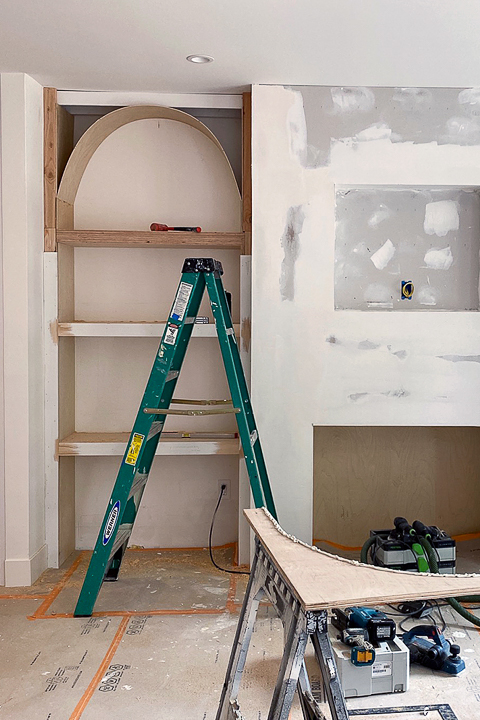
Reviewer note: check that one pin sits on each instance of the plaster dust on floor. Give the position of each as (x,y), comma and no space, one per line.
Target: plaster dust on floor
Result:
(159,641)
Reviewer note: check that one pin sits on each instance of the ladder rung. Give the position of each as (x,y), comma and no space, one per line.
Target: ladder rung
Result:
(138,483)
(202,402)
(192,413)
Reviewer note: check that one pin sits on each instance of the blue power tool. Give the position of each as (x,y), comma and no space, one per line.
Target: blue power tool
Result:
(429,647)
(378,625)
(363,628)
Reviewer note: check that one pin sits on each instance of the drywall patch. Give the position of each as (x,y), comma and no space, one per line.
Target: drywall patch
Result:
(350,100)
(368,345)
(379,216)
(439,258)
(382,257)
(333,340)
(412,99)
(355,397)
(401,393)
(426,295)
(469,101)
(377,131)
(290,244)
(460,358)
(462,131)
(441,217)
(378,294)
(246,334)
(297,129)
(394,394)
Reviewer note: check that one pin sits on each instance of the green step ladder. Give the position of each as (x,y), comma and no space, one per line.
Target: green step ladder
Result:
(117,526)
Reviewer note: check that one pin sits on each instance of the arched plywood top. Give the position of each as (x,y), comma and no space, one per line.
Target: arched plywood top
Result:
(98,132)
(321,580)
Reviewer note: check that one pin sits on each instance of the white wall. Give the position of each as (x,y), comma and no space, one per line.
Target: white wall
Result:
(311,365)
(22,229)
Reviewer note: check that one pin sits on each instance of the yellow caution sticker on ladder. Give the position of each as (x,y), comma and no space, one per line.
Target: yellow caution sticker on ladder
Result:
(134,449)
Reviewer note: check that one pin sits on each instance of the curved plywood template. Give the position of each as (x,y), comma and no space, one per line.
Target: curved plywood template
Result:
(321,580)
(113,128)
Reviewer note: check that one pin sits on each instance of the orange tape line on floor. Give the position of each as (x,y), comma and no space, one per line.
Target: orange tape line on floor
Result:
(87,695)
(232,591)
(40,611)
(466,536)
(337,545)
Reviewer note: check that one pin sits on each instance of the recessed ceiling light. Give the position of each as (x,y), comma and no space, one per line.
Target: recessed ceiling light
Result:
(200,59)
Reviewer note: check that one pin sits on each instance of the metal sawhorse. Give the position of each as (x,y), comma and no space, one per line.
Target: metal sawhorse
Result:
(301,583)
(299,625)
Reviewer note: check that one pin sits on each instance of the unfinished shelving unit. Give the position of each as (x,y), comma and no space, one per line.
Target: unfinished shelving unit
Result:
(98,358)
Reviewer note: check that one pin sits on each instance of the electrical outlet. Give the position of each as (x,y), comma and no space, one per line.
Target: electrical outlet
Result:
(226,492)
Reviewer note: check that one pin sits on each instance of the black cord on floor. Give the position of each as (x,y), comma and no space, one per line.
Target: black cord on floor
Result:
(232,572)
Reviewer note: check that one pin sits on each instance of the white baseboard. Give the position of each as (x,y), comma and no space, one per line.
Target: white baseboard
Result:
(22,572)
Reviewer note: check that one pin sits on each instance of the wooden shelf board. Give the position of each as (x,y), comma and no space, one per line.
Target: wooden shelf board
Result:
(130,329)
(80,444)
(141,238)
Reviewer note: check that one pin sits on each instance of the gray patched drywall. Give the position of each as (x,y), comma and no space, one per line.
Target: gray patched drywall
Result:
(419,115)
(290,242)
(386,235)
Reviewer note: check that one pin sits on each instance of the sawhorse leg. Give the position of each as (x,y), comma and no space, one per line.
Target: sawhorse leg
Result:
(328,667)
(298,625)
(248,615)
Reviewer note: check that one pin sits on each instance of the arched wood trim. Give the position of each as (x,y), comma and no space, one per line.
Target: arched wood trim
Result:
(97,133)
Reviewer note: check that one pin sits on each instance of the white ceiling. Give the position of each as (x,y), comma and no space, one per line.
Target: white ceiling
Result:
(141,45)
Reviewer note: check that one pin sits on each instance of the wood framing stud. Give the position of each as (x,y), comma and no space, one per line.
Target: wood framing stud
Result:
(50,166)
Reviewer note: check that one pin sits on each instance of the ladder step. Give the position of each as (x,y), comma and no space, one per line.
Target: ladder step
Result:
(201,402)
(123,533)
(138,483)
(212,411)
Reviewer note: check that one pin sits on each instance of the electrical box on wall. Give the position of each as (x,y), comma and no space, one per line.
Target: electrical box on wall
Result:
(407,248)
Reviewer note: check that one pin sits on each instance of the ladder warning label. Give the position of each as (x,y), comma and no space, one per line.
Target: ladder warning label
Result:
(134,449)
(180,304)
(171,334)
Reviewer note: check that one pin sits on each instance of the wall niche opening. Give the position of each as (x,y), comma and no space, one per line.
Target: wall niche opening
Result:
(387,237)
(364,476)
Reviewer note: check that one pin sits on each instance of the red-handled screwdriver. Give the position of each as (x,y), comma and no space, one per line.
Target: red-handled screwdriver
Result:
(162,227)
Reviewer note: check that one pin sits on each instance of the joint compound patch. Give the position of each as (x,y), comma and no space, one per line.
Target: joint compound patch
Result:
(111,522)
(180,304)
(134,449)
(171,333)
